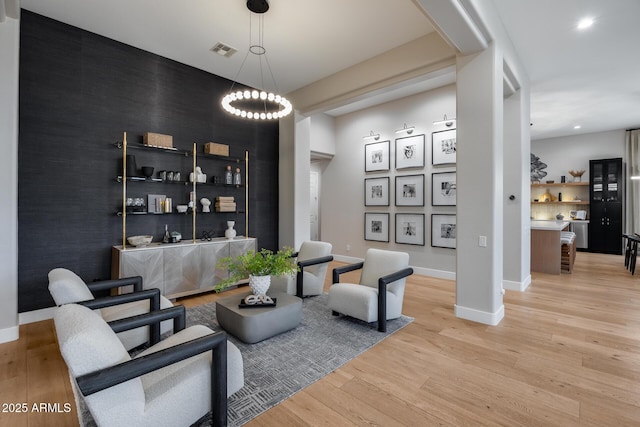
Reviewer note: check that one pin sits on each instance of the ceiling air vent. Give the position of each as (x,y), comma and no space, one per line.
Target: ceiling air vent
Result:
(223,49)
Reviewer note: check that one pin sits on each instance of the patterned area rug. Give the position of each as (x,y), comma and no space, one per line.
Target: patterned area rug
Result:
(279,367)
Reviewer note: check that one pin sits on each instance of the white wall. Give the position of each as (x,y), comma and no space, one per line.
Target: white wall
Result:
(9,48)
(342,196)
(574,152)
(323,135)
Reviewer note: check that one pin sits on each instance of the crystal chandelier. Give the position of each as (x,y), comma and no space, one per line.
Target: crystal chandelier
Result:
(254,104)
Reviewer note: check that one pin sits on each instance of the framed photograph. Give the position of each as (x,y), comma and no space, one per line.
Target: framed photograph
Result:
(443,231)
(410,190)
(376,156)
(376,227)
(443,147)
(376,191)
(443,189)
(410,152)
(410,228)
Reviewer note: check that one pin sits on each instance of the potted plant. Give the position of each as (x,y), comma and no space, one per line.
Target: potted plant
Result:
(259,267)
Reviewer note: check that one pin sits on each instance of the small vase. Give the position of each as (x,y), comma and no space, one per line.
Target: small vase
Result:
(259,284)
(230,233)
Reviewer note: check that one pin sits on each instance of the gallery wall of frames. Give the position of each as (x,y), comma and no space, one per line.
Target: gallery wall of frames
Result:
(395,174)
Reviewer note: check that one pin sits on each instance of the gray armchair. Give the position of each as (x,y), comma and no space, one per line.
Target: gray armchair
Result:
(313,261)
(173,383)
(67,287)
(380,293)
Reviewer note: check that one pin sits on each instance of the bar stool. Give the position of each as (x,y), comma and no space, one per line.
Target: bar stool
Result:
(567,251)
(631,252)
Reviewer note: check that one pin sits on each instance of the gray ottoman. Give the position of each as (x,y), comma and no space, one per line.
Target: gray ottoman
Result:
(258,323)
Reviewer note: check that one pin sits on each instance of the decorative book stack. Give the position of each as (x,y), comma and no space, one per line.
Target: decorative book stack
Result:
(225,204)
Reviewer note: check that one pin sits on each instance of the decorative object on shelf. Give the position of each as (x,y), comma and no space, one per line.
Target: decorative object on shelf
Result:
(206,203)
(132,169)
(155,203)
(410,190)
(230,232)
(410,229)
(443,147)
(162,175)
(177,176)
(445,121)
(157,140)
(410,152)
(182,208)
(376,156)
(547,197)
(228,176)
(139,241)
(376,191)
(550,181)
(256,264)
(175,237)
(216,149)
(266,106)
(237,177)
(376,226)
(443,231)
(577,175)
(563,179)
(537,169)
(147,171)
(167,205)
(225,204)
(443,189)
(199,176)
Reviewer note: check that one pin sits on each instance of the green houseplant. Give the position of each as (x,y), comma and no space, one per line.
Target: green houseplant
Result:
(263,264)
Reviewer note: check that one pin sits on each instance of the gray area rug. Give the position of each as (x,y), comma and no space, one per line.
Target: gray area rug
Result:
(279,367)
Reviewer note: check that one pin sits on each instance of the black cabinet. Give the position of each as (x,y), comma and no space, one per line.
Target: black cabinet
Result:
(606,195)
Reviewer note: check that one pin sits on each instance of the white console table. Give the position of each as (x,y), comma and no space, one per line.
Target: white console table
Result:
(178,269)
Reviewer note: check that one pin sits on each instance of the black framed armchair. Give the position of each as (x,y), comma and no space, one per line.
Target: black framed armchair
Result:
(67,287)
(175,382)
(379,294)
(313,261)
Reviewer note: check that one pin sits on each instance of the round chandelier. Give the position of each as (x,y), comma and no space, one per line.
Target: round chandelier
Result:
(251,103)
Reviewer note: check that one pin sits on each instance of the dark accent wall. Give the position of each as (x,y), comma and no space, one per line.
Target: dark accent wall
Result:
(78,93)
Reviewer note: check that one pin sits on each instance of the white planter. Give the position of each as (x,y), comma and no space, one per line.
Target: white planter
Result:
(259,284)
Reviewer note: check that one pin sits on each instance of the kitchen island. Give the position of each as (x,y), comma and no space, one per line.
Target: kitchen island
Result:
(545,246)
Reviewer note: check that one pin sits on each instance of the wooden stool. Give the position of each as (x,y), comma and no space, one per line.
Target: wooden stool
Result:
(567,251)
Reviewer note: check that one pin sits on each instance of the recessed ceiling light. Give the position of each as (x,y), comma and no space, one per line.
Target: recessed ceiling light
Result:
(585,23)
(577,127)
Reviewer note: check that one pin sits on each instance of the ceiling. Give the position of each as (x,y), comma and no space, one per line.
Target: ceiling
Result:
(590,78)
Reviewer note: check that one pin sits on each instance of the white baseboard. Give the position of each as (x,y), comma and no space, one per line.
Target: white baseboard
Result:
(517,286)
(9,334)
(487,318)
(36,315)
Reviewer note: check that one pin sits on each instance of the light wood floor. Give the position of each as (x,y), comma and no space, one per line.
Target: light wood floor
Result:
(567,353)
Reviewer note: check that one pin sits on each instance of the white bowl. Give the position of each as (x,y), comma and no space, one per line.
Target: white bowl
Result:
(139,241)
(182,208)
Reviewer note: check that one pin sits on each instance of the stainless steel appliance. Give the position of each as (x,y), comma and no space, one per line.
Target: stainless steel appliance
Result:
(581,228)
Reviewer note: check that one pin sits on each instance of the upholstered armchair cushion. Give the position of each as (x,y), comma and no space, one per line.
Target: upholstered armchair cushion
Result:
(175,395)
(312,276)
(362,301)
(67,287)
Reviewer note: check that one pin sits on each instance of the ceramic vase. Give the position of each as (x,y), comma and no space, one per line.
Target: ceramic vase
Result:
(259,284)
(230,233)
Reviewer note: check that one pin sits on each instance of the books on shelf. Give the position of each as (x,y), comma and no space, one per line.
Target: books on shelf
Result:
(225,204)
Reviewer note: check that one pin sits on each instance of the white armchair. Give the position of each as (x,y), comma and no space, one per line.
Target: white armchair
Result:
(313,260)
(67,287)
(380,293)
(173,383)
